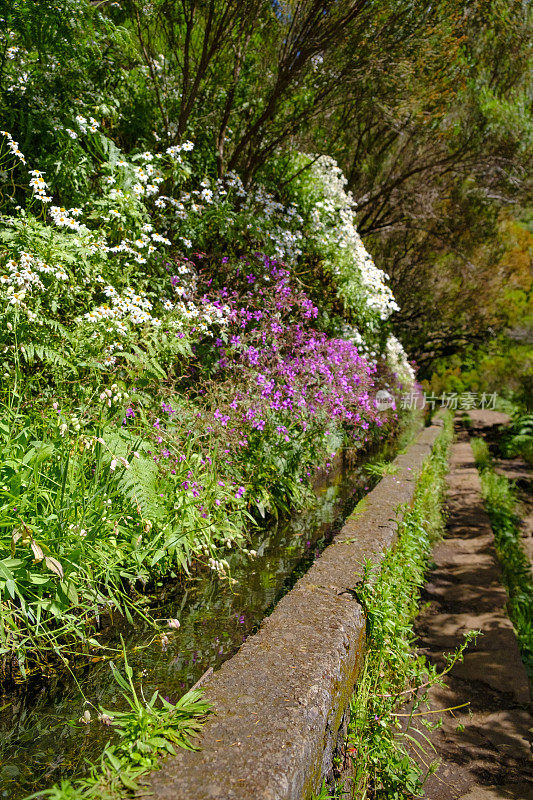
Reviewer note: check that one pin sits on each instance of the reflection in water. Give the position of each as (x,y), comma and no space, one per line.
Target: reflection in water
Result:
(41,739)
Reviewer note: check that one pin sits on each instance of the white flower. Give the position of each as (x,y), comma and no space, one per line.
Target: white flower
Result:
(17,298)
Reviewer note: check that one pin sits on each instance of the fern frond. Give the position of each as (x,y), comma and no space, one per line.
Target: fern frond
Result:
(138,484)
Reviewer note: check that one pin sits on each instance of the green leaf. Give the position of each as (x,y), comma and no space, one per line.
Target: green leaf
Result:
(113,760)
(11,588)
(118,677)
(158,555)
(38,580)
(129,783)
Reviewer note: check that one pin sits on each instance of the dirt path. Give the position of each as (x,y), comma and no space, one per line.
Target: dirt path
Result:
(490,759)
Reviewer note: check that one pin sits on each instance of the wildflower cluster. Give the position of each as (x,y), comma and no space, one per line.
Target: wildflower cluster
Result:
(332,213)
(293,375)
(278,391)
(13,146)
(131,199)
(398,363)
(64,218)
(24,275)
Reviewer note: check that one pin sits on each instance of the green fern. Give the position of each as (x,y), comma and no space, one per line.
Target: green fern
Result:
(138,484)
(47,355)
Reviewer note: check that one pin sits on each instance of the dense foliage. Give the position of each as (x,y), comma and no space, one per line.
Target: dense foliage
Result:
(191,322)
(181,348)
(192,325)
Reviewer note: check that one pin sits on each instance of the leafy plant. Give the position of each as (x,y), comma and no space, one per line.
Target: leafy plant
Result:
(148,731)
(380,468)
(518,438)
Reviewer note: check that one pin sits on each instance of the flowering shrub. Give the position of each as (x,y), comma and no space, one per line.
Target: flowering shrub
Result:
(398,363)
(101,263)
(183,394)
(278,393)
(330,211)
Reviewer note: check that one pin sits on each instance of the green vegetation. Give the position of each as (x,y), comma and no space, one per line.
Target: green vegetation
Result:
(502,364)
(182,349)
(517,439)
(149,730)
(501,504)
(381,468)
(191,324)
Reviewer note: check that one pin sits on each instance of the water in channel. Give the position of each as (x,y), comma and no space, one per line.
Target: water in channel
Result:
(41,738)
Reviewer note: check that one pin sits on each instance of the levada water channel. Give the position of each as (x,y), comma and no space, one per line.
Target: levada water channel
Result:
(41,738)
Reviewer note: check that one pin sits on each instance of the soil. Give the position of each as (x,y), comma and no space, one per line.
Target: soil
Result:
(485,748)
